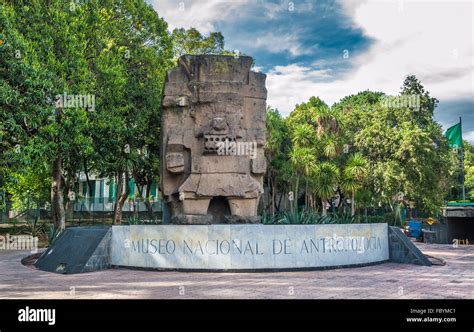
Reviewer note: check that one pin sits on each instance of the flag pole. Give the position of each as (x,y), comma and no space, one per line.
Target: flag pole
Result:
(462,164)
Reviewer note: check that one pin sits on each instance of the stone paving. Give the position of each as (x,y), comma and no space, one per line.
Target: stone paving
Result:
(384,281)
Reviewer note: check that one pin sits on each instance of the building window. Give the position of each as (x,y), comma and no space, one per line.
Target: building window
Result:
(112,190)
(131,183)
(101,191)
(153,191)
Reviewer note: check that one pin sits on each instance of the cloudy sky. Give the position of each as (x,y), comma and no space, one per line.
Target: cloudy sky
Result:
(333,48)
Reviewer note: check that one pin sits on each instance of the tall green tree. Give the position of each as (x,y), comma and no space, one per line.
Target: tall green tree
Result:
(114,50)
(276,150)
(316,129)
(134,52)
(424,104)
(469,169)
(46,47)
(406,152)
(455,175)
(354,176)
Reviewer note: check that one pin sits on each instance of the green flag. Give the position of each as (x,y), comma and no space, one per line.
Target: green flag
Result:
(454,136)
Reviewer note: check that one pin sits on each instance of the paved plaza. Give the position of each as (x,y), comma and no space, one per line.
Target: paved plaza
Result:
(454,280)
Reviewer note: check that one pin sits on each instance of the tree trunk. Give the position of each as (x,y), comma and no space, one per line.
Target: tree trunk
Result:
(272,207)
(353,204)
(138,197)
(295,196)
(118,192)
(89,184)
(121,196)
(57,196)
(306,199)
(341,198)
(278,207)
(391,206)
(323,204)
(148,204)
(69,206)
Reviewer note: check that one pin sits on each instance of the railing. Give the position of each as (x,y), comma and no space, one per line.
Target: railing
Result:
(107,204)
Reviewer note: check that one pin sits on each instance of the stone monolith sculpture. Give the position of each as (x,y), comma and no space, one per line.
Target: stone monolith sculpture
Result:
(212,140)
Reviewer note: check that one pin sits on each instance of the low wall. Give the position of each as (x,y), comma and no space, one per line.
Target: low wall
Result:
(248,247)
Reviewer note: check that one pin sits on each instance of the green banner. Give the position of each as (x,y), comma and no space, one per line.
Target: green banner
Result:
(454,136)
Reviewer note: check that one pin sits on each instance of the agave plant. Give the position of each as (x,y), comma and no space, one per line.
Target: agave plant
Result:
(133,220)
(307,217)
(53,234)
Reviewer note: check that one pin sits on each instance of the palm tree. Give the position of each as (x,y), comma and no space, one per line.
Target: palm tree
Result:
(329,120)
(330,145)
(302,135)
(324,179)
(316,137)
(302,160)
(354,175)
(273,146)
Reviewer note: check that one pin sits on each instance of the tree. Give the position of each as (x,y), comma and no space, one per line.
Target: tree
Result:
(307,113)
(115,51)
(354,176)
(424,104)
(40,62)
(131,69)
(318,129)
(455,179)
(469,169)
(28,186)
(353,110)
(191,41)
(276,146)
(303,160)
(403,145)
(324,179)
(406,153)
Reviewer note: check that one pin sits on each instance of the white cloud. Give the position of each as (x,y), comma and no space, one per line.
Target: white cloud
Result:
(469,136)
(272,9)
(295,71)
(432,40)
(277,43)
(201,15)
(204,14)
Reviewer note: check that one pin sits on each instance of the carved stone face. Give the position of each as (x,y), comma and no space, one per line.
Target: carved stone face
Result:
(218,133)
(219,124)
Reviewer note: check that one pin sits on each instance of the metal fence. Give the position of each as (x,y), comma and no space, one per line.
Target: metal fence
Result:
(96,209)
(106,204)
(92,210)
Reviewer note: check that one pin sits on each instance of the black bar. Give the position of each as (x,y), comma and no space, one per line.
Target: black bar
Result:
(354,315)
